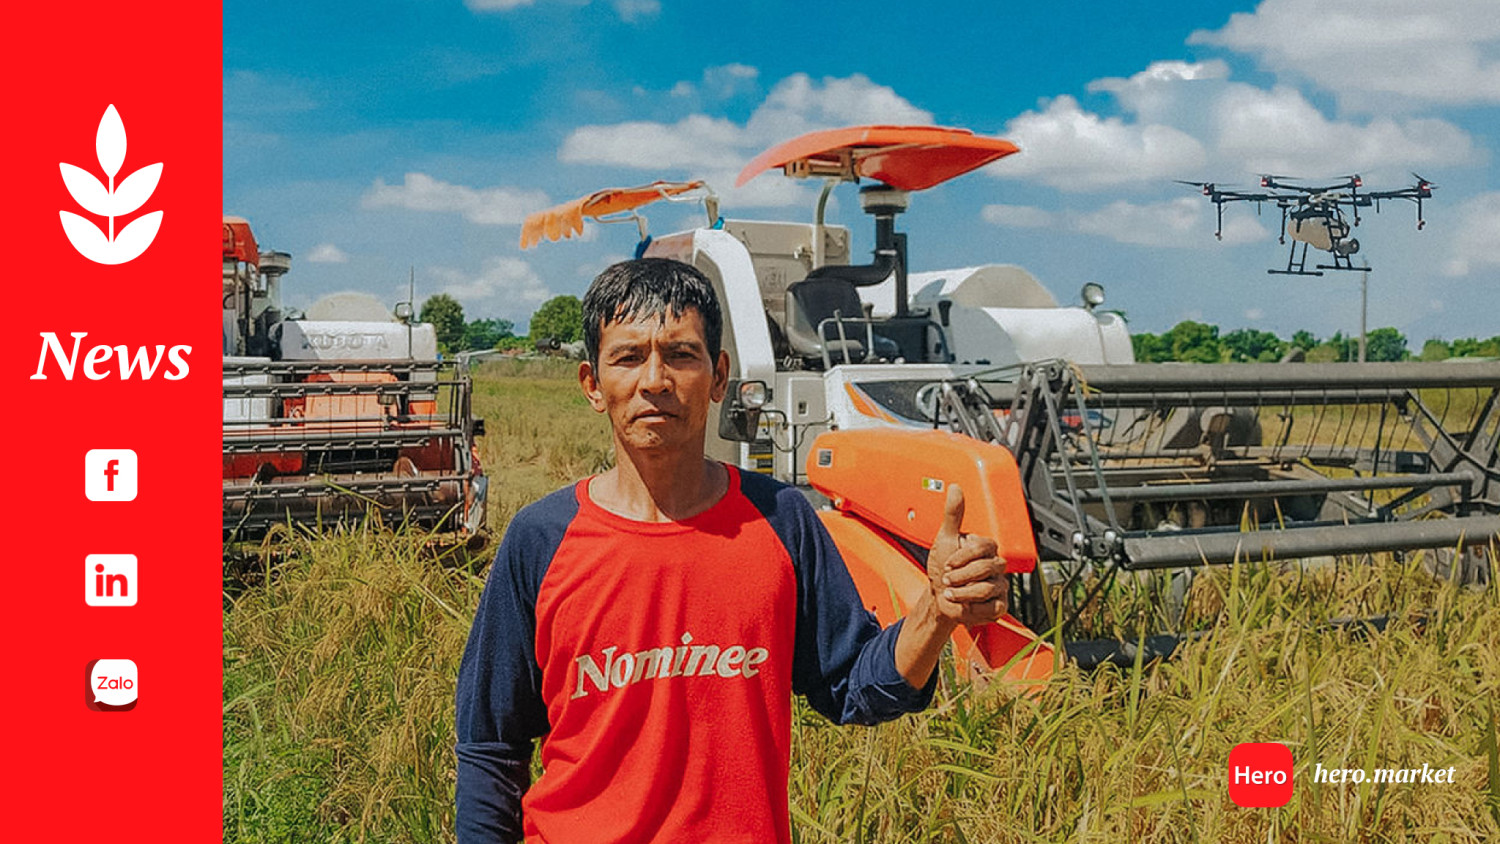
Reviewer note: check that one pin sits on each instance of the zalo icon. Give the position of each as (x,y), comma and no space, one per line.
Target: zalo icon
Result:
(113,685)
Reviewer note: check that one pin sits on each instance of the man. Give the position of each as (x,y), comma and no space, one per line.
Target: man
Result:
(652,622)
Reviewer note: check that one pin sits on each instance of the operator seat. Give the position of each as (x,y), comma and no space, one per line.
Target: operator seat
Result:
(808,304)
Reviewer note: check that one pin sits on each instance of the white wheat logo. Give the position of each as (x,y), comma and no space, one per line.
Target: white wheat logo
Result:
(110,201)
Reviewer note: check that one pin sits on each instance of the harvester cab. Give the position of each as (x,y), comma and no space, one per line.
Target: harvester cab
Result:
(339,413)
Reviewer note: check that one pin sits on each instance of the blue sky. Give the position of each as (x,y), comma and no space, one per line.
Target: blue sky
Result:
(371,138)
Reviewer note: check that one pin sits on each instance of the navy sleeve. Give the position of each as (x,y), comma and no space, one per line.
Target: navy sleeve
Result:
(500,710)
(844,664)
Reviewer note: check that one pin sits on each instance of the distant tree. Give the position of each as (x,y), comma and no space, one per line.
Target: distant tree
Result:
(447,318)
(1194,342)
(1336,349)
(1383,344)
(1250,345)
(486,333)
(1435,349)
(1305,340)
(560,317)
(1474,347)
(1324,353)
(1150,348)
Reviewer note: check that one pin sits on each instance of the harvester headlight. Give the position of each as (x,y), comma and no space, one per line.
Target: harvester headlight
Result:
(1093,295)
(739,418)
(754,395)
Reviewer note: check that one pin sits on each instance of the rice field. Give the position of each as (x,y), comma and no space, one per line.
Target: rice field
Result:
(341,652)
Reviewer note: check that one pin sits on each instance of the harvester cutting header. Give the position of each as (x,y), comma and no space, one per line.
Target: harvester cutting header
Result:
(877,387)
(330,419)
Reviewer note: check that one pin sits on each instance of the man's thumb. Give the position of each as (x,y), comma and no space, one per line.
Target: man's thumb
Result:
(953,513)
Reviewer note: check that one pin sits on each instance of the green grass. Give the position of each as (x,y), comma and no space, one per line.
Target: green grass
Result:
(341,653)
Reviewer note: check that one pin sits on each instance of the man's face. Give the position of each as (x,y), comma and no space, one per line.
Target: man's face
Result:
(656,381)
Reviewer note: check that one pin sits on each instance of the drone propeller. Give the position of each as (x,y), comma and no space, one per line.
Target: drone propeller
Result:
(1423,183)
(1208,188)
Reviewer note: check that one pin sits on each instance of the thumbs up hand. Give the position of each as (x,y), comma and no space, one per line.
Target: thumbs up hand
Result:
(968,579)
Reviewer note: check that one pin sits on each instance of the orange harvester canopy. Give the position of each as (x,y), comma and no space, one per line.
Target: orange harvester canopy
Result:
(566,220)
(904,157)
(239,242)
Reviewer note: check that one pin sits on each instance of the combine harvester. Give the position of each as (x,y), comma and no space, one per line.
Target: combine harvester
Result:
(1082,463)
(327,420)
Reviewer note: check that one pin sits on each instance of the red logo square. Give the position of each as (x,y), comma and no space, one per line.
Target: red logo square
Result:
(1260,774)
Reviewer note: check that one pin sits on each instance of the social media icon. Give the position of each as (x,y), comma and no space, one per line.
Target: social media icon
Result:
(110,580)
(1260,774)
(113,685)
(109,474)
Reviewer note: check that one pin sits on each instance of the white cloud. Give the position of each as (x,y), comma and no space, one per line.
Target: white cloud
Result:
(715,148)
(1254,314)
(593,268)
(249,93)
(727,80)
(1184,223)
(327,253)
(1069,148)
(1476,236)
(720,82)
(631,11)
(798,104)
(1442,51)
(498,206)
(1188,120)
(1017,216)
(503,284)
(694,142)
(1176,222)
(1154,94)
(1279,131)
(496,5)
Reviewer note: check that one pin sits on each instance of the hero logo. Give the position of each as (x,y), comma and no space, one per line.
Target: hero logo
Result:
(1260,774)
(685,660)
(110,201)
(96,361)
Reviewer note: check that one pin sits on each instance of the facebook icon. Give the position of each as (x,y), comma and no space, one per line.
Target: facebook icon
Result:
(109,474)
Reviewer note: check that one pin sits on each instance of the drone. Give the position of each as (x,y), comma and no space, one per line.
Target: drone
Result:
(1313,215)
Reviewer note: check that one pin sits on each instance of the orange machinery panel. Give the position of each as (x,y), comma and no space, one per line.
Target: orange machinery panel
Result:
(890,581)
(366,408)
(897,478)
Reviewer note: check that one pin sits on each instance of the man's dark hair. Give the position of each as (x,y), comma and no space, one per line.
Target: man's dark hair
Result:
(649,287)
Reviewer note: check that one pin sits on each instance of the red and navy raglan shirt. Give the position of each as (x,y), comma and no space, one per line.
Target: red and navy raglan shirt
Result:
(659,661)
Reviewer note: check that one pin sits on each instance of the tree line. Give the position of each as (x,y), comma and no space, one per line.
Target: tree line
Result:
(1198,342)
(560,317)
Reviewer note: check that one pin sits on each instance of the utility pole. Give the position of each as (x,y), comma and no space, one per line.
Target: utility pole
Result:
(1364,299)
